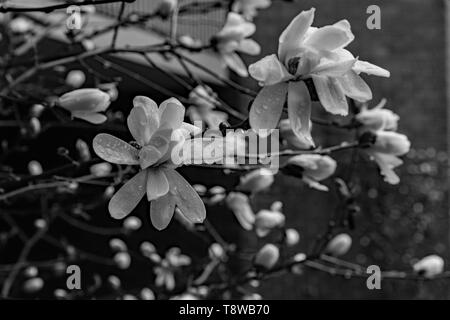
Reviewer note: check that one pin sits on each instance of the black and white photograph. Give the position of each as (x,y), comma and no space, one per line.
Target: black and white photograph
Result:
(248,151)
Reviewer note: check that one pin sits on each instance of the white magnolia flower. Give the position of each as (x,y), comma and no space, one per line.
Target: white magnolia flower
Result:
(377,118)
(86,104)
(248,8)
(429,266)
(158,131)
(267,256)
(339,245)
(306,52)
(240,205)
(165,271)
(315,168)
(385,151)
(234,37)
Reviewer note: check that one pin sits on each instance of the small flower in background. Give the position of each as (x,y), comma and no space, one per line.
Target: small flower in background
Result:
(339,245)
(83,150)
(118,245)
(385,151)
(267,256)
(31,272)
(292,237)
(33,285)
(114,282)
(430,266)
(239,204)
(216,252)
(147,294)
(75,78)
(165,270)
(248,8)
(36,110)
(234,37)
(157,131)
(132,223)
(315,168)
(256,181)
(86,104)
(306,52)
(204,101)
(122,260)
(100,170)
(266,220)
(35,168)
(377,118)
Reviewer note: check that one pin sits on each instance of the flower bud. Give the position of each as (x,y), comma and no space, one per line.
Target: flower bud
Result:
(83,150)
(36,110)
(122,260)
(216,251)
(88,45)
(377,119)
(315,166)
(132,223)
(291,138)
(35,126)
(40,223)
(391,143)
(292,237)
(60,293)
(429,266)
(147,294)
(147,248)
(266,220)
(203,97)
(109,192)
(129,297)
(114,282)
(267,256)
(33,285)
(85,100)
(239,204)
(35,168)
(75,78)
(31,272)
(117,245)
(256,181)
(252,296)
(339,245)
(20,25)
(101,169)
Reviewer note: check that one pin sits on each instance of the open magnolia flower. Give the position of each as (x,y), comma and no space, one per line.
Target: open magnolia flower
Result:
(86,104)
(232,38)
(315,168)
(385,151)
(306,52)
(157,131)
(248,8)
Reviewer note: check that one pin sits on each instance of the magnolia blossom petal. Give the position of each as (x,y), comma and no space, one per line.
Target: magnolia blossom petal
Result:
(369,68)
(299,111)
(149,155)
(171,113)
(269,70)
(267,107)
(115,150)
(330,38)
(314,184)
(143,119)
(334,69)
(95,118)
(355,87)
(162,210)
(293,35)
(331,95)
(249,46)
(186,198)
(235,63)
(387,163)
(157,184)
(128,197)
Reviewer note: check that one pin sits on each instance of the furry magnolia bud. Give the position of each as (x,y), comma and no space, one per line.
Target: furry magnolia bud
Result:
(429,266)
(267,256)
(339,245)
